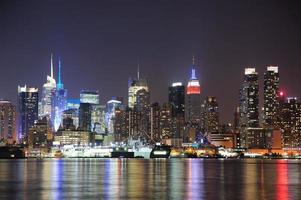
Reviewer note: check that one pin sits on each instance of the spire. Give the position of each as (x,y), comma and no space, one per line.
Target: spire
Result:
(193,60)
(193,68)
(51,66)
(60,84)
(138,68)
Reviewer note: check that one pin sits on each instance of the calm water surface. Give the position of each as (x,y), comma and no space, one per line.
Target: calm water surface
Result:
(150,179)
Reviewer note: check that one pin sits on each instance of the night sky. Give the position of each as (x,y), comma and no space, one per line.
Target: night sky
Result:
(99,42)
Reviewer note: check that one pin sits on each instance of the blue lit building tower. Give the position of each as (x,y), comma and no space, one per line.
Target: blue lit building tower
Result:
(59,103)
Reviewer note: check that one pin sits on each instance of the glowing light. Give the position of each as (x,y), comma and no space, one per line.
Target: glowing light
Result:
(160,152)
(273,69)
(176,84)
(281,93)
(250,71)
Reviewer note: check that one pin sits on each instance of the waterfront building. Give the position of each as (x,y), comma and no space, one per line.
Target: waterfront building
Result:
(28,99)
(271,91)
(40,134)
(290,116)
(249,100)
(193,98)
(176,98)
(8,133)
(75,137)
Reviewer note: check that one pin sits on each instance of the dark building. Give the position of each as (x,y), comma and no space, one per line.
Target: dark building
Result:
(155,122)
(85,116)
(176,98)
(28,103)
(8,133)
(290,125)
(271,91)
(166,126)
(249,99)
(211,115)
(40,135)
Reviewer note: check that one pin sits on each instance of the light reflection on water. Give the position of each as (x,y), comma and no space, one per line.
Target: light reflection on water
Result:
(150,179)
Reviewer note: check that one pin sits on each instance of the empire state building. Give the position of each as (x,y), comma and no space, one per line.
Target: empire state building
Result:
(193,98)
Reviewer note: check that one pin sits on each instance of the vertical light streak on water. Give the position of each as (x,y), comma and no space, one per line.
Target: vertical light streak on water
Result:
(262,182)
(160,178)
(282,180)
(176,177)
(56,179)
(250,180)
(107,179)
(222,178)
(195,179)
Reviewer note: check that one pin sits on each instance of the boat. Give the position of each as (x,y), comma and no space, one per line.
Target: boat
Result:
(122,152)
(160,151)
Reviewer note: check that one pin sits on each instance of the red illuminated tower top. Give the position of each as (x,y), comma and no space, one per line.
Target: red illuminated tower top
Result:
(193,86)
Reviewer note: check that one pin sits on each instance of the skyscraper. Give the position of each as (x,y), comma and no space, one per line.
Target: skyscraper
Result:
(211,115)
(7,122)
(290,116)
(85,116)
(249,100)
(112,105)
(135,85)
(176,98)
(271,91)
(48,93)
(28,99)
(59,103)
(193,98)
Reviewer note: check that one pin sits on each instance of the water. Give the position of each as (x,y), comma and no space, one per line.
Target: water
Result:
(150,179)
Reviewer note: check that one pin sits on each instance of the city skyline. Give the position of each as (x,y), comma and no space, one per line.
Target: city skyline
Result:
(106,50)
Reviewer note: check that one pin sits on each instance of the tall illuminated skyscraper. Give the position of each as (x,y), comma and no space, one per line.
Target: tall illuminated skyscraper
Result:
(48,92)
(271,91)
(28,99)
(112,105)
(193,98)
(249,99)
(8,122)
(59,103)
(248,109)
(136,85)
